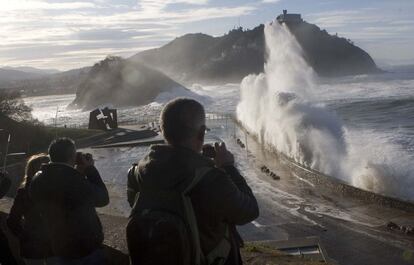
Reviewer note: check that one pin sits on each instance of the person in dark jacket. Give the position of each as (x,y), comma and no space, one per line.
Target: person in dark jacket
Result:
(221,200)
(66,192)
(25,221)
(6,255)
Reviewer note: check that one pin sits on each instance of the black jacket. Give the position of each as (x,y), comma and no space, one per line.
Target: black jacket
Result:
(6,255)
(27,224)
(220,199)
(67,200)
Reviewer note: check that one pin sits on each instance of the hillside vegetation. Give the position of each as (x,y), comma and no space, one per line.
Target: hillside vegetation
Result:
(190,58)
(330,55)
(229,58)
(203,58)
(27,134)
(121,82)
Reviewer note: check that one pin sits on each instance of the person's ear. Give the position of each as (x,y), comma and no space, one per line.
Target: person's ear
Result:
(202,133)
(72,160)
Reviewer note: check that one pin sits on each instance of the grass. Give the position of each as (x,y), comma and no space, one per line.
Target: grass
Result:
(73,133)
(33,138)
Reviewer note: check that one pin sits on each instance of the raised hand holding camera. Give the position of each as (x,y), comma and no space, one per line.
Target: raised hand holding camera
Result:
(223,156)
(83,161)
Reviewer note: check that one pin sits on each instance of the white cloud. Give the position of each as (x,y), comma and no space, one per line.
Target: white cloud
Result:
(18,5)
(270,1)
(34,29)
(372,29)
(367,23)
(333,19)
(56,33)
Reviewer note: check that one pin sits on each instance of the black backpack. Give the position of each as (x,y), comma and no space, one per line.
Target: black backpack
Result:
(162,229)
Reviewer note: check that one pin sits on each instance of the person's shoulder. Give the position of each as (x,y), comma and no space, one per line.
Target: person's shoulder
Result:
(21,192)
(56,172)
(22,195)
(211,174)
(39,175)
(61,168)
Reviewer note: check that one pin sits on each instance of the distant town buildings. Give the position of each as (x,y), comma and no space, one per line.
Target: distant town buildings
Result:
(289,18)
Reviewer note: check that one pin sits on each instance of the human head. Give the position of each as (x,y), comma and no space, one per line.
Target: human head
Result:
(33,165)
(63,150)
(182,123)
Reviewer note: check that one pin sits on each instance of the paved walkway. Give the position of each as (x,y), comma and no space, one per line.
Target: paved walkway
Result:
(351,224)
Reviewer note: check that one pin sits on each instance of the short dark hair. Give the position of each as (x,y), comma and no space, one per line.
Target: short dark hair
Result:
(61,149)
(181,119)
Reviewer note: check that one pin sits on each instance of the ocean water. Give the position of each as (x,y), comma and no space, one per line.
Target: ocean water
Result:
(359,129)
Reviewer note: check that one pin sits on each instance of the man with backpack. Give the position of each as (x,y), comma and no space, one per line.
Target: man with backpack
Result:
(185,204)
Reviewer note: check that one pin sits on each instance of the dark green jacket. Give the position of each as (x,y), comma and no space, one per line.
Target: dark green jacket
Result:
(220,199)
(66,200)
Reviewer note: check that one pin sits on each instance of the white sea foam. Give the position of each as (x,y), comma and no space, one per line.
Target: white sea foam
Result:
(277,106)
(291,109)
(164,97)
(281,106)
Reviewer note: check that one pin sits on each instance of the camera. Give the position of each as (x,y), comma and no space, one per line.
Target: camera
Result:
(80,156)
(209,151)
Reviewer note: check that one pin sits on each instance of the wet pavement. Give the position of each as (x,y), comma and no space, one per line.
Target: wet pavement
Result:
(294,202)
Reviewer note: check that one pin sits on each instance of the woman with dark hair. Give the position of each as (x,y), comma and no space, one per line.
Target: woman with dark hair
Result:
(26,222)
(6,255)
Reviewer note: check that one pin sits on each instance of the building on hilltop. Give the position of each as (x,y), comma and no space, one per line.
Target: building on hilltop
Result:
(289,18)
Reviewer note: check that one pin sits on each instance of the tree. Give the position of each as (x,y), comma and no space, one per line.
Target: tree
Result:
(12,106)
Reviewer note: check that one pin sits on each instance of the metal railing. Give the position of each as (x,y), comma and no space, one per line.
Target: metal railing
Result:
(150,119)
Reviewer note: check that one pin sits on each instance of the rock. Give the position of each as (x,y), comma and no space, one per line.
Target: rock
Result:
(408,230)
(274,176)
(240,143)
(119,82)
(392,225)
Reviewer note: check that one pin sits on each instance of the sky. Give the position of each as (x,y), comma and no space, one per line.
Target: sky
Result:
(63,34)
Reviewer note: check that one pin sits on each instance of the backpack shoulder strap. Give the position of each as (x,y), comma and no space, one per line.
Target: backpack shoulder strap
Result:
(220,253)
(199,175)
(133,185)
(198,255)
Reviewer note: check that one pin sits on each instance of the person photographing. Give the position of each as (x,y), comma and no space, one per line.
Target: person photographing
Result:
(190,202)
(66,192)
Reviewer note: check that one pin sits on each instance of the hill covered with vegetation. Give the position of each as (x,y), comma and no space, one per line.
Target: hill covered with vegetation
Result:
(330,55)
(229,58)
(9,77)
(121,82)
(191,58)
(203,58)
(51,84)
(27,134)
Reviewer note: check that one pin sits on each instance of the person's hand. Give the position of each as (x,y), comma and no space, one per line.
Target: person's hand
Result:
(223,156)
(209,151)
(86,161)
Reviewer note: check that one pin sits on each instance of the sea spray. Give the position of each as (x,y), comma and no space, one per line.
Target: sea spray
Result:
(373,163)
(279,107)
